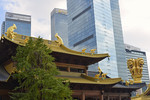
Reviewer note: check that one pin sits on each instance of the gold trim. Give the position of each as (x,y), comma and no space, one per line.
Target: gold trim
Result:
(55,47)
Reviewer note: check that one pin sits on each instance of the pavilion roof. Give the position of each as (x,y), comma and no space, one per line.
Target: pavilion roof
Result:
(84,79)
(60,52)
(143,96)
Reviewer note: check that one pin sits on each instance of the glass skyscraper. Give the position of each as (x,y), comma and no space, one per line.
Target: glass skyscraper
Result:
(134,52)
(23,23)
(59,25)
(90,25)
(119,42)
(3,28)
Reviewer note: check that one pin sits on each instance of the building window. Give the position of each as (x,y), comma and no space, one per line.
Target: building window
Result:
(62,68)
(77,70)
(81,13)
(84,40)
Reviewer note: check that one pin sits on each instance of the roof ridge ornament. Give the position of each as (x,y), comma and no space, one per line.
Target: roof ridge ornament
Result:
(100,75)
(136,67)
(83,50)
(92,51)
(10,32)
(59,39)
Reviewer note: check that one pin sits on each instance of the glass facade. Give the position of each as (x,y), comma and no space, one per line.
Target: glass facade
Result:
(138,54)
(23,23)
(90,26)
(3,28)
(119,42)
(59,25)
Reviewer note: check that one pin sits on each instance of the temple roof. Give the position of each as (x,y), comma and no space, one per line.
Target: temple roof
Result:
(134,86)
(60,52)
(143,96)
(84,79)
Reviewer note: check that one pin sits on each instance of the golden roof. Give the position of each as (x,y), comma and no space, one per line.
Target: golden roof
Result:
(59,50)
(53,45)
(143,96)
(84,79)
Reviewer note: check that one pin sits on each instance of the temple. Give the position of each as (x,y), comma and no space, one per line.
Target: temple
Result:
(73,66)
(143,96)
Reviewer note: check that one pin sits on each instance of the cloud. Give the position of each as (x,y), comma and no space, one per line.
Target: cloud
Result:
(135,23)
(39,11)
(135,17)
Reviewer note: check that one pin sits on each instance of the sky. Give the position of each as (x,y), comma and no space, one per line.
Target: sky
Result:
(135,18)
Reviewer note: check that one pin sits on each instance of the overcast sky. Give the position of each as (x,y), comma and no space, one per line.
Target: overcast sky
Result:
(135,18)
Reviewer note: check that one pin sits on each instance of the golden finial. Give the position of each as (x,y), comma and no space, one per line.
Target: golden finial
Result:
(26,40)
(104,75)
(93,51)
(59,39)
(131,82)
(98,75)
(136,67)
(10,31)
(83,50)
(127,83)
(2,36)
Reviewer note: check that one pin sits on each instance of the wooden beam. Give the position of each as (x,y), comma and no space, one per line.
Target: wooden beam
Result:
(70,65)
(86,92)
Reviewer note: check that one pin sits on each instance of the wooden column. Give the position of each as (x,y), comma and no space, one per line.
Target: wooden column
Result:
(83,96)
(108,97)
(86,70)
(119,97)
(102,95)
(68,69)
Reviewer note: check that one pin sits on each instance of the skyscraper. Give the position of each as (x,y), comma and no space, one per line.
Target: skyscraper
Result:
(119,42)
(3,28)
(134,52)
(90,26)
(59,25)
(23,23)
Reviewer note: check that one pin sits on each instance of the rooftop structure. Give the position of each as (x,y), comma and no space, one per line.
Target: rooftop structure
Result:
(73,65)
(59,24)
(22,21)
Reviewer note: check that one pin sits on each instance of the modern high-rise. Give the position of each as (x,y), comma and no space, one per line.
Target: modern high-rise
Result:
(3,28)
(118,36)
(23,23)
(59,25)
(94,24)
(134,52)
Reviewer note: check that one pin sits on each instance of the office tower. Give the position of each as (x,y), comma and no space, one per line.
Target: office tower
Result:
(59,25)
(90,26)
(119,42)
(3,28)
(134,52)
(23,23)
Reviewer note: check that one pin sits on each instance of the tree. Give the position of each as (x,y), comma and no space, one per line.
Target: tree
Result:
(36,73)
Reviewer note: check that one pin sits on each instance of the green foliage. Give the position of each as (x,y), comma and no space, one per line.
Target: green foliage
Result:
(36,73)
